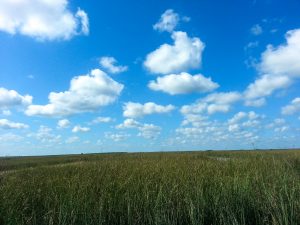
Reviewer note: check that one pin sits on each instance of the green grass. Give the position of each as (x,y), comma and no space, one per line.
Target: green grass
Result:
(234,187)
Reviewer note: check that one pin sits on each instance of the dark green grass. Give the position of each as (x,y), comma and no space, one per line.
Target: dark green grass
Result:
(236,187)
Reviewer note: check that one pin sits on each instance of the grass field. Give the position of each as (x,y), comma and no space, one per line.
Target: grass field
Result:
(215,187)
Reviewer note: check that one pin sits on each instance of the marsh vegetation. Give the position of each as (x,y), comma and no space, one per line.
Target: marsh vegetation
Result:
(222,187)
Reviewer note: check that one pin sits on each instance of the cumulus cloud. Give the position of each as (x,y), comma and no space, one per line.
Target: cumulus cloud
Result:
(195,120)
(279,67)
(109,63)
(244,129)
(87,93)
(284,59)
(11,98)
(168,21)
(79,128)
(128,123)
(183,83)
(237,117)
(218,102)
(292,108)
(184,54)
(266,85)
(7,124)
(213,103)
(64,123)
(45,135)
(135,110)
(256,102)
(233,128)
(42,20)
(222,98)
(101,119)
(195,108)
(252,115)
(190,132)
(148,131)
(243,119)
(117,137)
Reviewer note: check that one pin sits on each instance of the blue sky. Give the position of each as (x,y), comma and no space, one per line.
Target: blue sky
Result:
(104,76)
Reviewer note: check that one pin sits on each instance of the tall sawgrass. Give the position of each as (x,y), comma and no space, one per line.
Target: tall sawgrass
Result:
(156,188)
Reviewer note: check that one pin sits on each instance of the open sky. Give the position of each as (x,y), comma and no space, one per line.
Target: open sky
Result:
(102,76)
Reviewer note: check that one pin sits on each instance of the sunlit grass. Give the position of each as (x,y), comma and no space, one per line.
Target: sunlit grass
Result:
(258,187)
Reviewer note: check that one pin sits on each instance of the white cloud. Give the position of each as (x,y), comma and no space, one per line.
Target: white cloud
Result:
(266,85)
(278,68)
(292,108)
(6,124)
(102,120)
(42,19)
(233,128)
(284,59)
(281,129)
(243,127)
(185,54)
(195,120)
(256,102)
(183,83)
(64,123)
(252,115)
(149,131)
(251,123)
(237,117)
(277,122)
(223,98)
(238,121)
(251,45)
(135,110)
(168,21)
(45,135)
(87,93)
(79,128)
(128,123)
(195,108)
(214,108)
(256,30)
(6,112)
(84,21)
(109,63)
(213,103)
(73,139)
(117,137)
(191,132)
(263,87)
(11,98)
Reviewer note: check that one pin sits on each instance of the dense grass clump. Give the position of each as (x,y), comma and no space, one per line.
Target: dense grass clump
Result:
(243,187)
